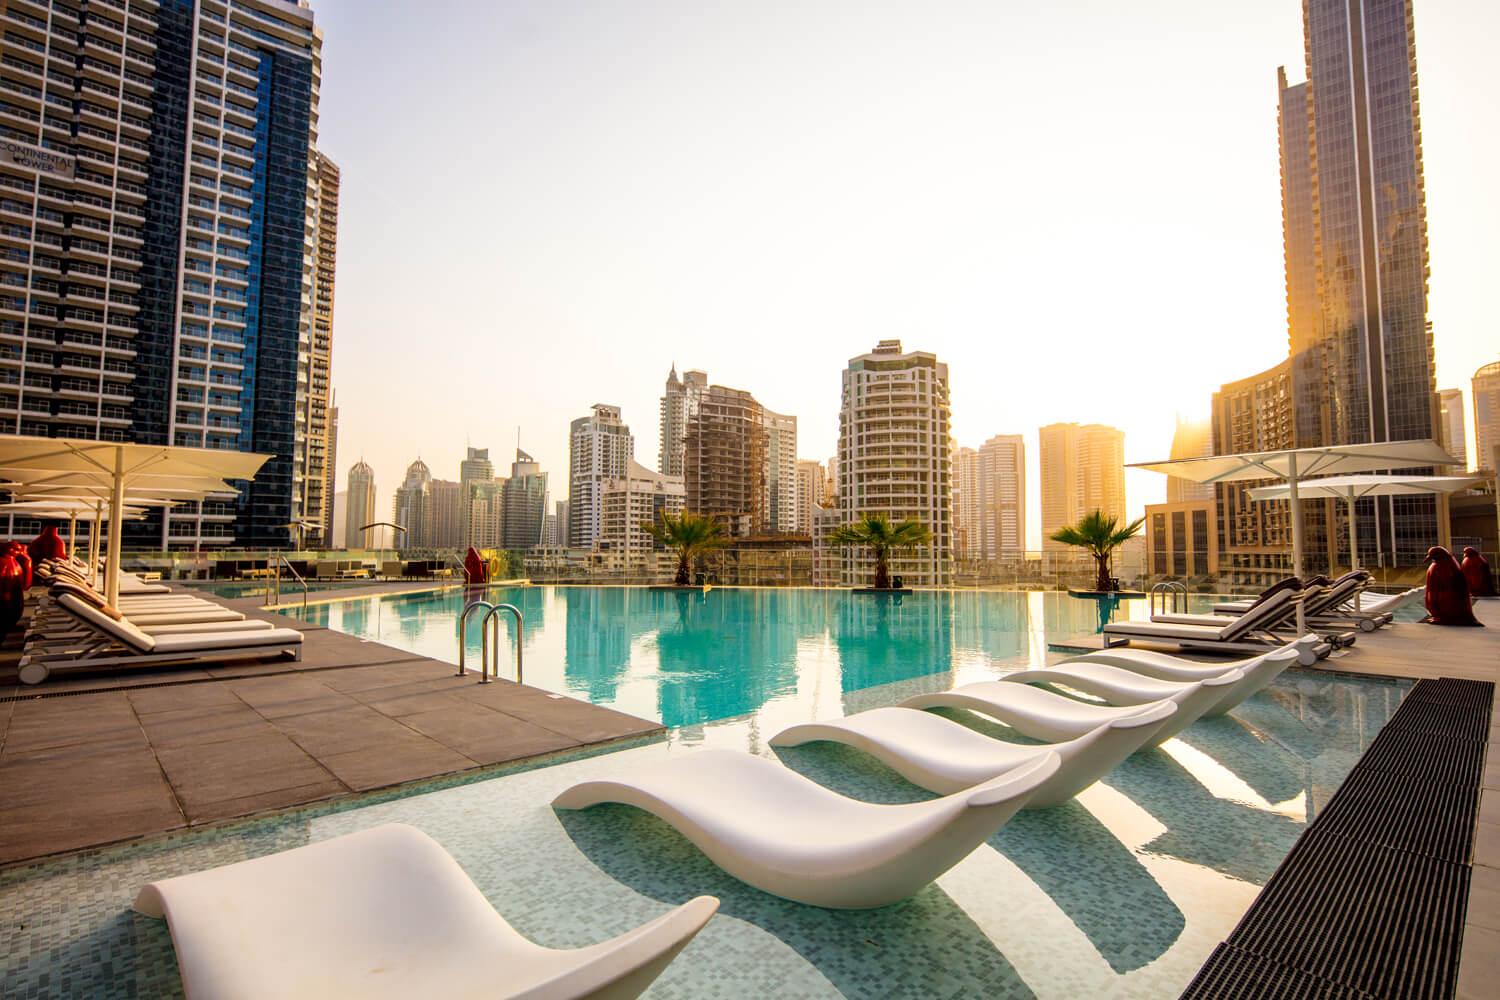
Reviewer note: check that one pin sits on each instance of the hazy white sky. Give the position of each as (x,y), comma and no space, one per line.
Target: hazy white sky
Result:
(1075,204)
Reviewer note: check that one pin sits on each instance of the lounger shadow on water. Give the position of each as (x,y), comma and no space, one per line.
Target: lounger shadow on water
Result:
(924,946)
(1092,877)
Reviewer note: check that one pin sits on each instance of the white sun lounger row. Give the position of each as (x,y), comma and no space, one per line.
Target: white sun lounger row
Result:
(74,630)
(776,830)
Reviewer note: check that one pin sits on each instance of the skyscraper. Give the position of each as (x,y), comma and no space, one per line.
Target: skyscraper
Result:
(600,449)
(156,229)
(725,465)
(315,361)
(331,468)
(639,497)
(781,471)
(811,492)
(476,473)
(411,509)
(895,457)
(679,404)
(989,498)
(1254,537)
(1451,426)
(1190,440)
(525,499)
(360,505)
(1485,390)
(1352,184)
(445,500)
(1083,470)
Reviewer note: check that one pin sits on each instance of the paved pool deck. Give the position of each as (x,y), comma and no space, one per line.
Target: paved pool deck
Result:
(97,760)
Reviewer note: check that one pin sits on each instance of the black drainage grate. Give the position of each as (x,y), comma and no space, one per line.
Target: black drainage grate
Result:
(1231,974)
(1371,900)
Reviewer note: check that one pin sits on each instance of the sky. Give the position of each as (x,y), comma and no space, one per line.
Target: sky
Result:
(1075,204)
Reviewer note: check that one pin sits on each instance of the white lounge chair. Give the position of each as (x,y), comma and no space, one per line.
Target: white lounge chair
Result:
(1047,715)
(944,756)
(111,644)
(385,912)
(776,830)
(1167,667)
(1373,612)
(1119,686)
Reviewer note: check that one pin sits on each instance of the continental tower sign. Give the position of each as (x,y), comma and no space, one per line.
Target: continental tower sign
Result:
(43,161)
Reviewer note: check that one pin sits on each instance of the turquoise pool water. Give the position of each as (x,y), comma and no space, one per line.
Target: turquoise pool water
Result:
(253,588)
(1122,892)
(687,658)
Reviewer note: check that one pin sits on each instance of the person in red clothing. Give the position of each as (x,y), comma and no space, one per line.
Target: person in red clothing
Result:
(1477,574)
(1447,591)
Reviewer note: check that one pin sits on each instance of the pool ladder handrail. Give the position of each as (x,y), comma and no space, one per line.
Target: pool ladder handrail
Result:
(274,598)
(1173,591)
(490,610)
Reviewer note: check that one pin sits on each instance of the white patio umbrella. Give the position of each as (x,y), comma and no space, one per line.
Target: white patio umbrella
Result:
(1352,488)
(74,510)
(151,470)
(1293,465)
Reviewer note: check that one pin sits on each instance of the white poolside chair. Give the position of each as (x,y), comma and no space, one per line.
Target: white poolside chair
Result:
(110,644)
(1121,686)
(1373,612)
(385,912)
(1047,715)
(1168,667)
(944,756)
(772,828)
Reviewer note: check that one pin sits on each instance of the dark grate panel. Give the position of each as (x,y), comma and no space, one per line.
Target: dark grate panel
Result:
(1383,921)
(1372,898)
(1427,755)
(1405,812)
(1442,719)
(1452,691)
(1232,974)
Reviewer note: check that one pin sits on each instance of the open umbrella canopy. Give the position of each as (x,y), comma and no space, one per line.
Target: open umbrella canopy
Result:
(1332,460)
(116,471)
(82,510)
(1356,487)
(1294,465)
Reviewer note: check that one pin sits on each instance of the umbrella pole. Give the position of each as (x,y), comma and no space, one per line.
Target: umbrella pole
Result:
(116,512)
(1353,544)
(72,531)
(1292,498)
(94,539)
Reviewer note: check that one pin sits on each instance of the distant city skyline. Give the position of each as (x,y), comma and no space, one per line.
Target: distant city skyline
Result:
(755,250)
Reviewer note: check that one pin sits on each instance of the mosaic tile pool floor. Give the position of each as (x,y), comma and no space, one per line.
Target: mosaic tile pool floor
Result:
(1120,893)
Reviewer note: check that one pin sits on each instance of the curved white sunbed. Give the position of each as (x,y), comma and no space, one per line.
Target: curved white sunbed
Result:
(769,826)
(945,756)
(1118,686)
(385,913)
(1047,715)
(1171,667)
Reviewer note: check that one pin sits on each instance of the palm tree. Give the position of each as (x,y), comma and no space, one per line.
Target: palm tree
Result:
(689,534)
(876,533)
(1101,536)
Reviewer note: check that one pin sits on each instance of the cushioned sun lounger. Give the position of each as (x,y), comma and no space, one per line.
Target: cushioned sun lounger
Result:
(1036,712)
(1251,633)
(944,756)
(772,828)
(1373,612)
(385,912)
(1119,686)
(112,644)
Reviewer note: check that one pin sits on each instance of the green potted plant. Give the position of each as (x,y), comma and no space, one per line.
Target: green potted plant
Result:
(1100,535)
(876,533)
(689,535)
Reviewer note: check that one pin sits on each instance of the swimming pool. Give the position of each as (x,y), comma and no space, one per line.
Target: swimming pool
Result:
(1122,892)
(687,657)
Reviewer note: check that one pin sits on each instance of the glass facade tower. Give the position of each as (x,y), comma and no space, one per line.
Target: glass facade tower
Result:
(1362,359)
(157,241)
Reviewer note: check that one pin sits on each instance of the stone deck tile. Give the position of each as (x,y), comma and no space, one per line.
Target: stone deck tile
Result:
(203,726)
(342,730)
(1479,968)
(1484,897)
(46,723)
(206,775)
(485,735)
(578,720)
(290,694)
(66,798)
(177,697)
(411,758)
